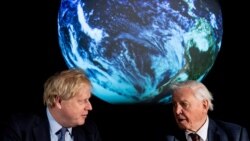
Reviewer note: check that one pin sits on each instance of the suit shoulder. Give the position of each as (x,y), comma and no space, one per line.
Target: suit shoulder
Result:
(232,130)
(23,120)
(230,127)
(90,129)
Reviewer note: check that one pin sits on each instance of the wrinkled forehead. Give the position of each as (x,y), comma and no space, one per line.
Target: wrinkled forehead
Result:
(183,93)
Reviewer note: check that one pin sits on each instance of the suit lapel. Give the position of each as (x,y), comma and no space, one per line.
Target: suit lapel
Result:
(78,134)
(41,131)
(180,136)
(215,133)
(212,131)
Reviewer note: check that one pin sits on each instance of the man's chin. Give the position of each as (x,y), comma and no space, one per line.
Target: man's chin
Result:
(81,122)
(182,126)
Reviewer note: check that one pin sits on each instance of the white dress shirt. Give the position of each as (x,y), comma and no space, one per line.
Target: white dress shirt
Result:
(202,132)
(55,126)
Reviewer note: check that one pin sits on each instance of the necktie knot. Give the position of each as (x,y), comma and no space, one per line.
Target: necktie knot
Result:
(194,137)
(61,134)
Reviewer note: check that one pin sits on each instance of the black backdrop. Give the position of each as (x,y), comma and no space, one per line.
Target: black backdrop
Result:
(30,54)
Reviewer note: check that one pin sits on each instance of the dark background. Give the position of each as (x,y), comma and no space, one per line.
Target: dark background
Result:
(30,54)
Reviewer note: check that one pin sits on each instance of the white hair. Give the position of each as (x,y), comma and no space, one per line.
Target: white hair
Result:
(200,90)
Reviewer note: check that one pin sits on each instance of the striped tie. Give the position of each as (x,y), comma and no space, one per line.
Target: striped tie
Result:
(61,134)
(194,137)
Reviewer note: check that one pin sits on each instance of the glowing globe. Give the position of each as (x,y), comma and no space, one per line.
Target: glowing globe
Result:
(133,50)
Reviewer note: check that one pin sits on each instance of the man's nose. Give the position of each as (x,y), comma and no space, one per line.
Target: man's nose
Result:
(178,109)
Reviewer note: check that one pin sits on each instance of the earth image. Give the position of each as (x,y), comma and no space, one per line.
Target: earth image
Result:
(133,50)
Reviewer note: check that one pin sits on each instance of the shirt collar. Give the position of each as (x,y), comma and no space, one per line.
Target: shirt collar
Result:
(54,125)
(202,132)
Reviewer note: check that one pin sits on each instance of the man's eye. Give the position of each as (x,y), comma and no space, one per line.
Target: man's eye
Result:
(184,105)
(175,105)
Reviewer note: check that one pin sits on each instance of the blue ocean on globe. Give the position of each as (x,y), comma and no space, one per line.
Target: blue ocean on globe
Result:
(132,50)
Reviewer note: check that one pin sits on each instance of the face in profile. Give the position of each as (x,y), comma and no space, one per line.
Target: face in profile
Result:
(75,110)
(190,112)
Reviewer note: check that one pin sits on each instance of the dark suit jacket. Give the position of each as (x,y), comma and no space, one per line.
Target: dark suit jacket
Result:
(36,128)
(217,131)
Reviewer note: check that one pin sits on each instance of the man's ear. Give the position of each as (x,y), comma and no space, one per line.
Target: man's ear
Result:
(58,102)
(205,104)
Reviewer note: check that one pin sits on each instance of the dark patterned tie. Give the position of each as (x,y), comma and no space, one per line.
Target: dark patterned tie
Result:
(194,137)
(61,134)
